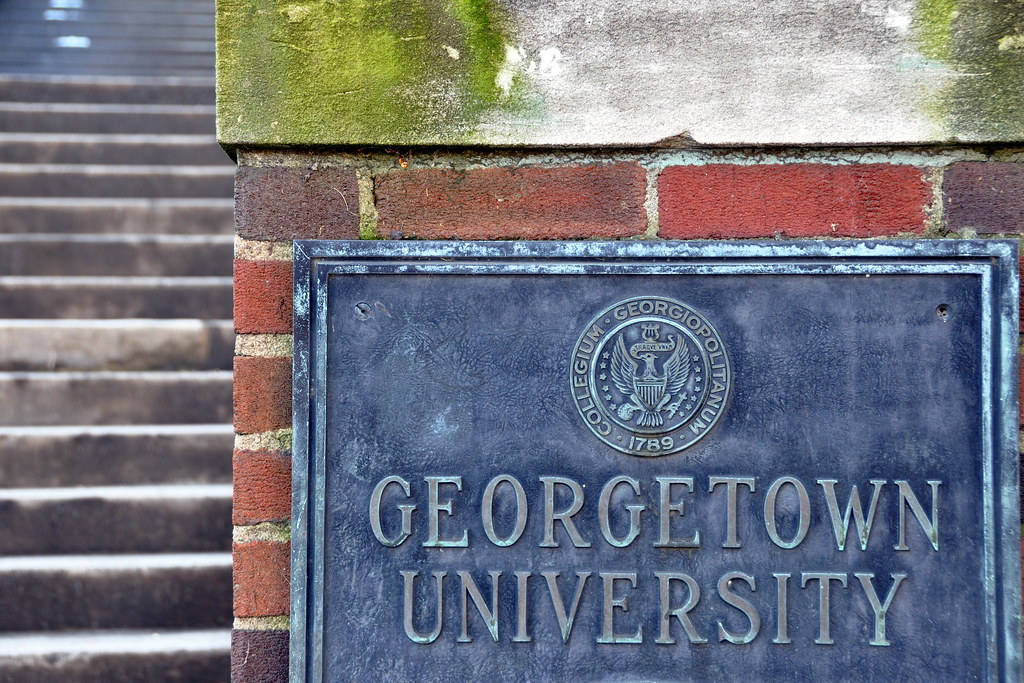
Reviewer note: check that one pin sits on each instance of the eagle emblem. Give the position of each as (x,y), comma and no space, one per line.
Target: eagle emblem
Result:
(648,391)
(650,375)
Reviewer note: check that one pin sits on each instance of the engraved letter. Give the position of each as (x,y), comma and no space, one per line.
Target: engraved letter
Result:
(521,635)
(681,613)
(782,616)
(608,635)
(841,525)
(565,621)
(634,512)
(931,528)
(434,510)
(769,512)
(378,493)
(731,483)
(487,510)
(490,616)
(665,509)
(565,517)
(408,601)
(878,608)
(824,580)
(742,604)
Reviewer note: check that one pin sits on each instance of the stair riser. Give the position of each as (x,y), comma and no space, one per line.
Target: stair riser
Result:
(186,347)
(46,152)
(115,258)
(28,461)
(115,301)
(157,184)
(103,122)
(154,598)
(141,219)
(49,90)
(64,401)
(114,526)
(194,667)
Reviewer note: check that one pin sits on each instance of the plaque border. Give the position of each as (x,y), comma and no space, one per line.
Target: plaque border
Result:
(995,261)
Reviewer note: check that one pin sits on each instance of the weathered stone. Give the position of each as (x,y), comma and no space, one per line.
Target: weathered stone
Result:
(639,72)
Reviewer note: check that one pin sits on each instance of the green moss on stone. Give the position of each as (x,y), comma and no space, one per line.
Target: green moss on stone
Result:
(975,39)
(358,71)
(933,23)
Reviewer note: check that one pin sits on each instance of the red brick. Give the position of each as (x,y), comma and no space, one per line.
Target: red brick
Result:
(259,656)
(262,394)
(262,487)
(513,203)
(263,297)
(260,578)
(282,203)
(987,197)
(796,200)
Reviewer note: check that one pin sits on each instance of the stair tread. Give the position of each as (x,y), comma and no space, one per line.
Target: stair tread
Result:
(136,281)
(116,169)
(119,238)
(136,641)
(107,108)
(119,202)
(110,138)
(120,430)
(119,562)
(116,493)
(117,375)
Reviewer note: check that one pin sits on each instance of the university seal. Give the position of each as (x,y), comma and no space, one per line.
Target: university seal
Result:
(650,376)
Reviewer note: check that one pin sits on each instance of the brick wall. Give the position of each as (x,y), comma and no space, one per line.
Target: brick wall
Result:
(668,194)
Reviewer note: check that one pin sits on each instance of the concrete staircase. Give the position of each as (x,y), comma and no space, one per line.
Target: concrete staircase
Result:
(115,383)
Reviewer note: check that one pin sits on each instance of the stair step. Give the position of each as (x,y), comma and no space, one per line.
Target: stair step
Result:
(129,16)
(146,255)
(132,344)
(113,455)
(115,297)
(61,148)
(116,519)
(106,89)
(201,656)
(42,117)
(20,215)
(105,180)
(165,591)
(104,398)
(133,43)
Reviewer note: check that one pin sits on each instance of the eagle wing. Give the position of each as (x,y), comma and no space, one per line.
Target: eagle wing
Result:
(677,369)
(623,369)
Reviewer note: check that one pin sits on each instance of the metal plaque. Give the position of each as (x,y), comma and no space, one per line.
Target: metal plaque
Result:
(655,461)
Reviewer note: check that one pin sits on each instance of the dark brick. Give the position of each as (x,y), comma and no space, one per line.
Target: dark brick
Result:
(262,487)
(571,202)
(263,297)
(259,656)
(262,394)
(987,197)
(283,203)
(796,200)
